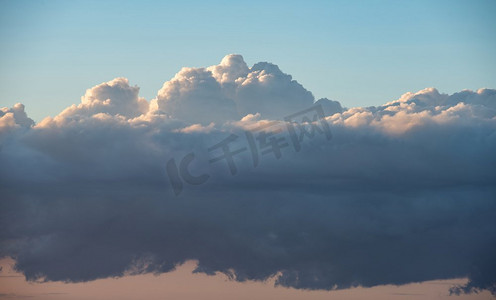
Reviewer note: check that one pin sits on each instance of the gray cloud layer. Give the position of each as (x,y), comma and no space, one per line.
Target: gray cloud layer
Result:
(403,192)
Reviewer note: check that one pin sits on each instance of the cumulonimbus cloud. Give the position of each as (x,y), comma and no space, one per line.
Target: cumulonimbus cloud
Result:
(403,192)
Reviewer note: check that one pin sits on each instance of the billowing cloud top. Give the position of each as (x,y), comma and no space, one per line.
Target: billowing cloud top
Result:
(402,192)
(230,91)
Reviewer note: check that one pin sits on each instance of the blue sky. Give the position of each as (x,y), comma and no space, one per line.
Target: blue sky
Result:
(357,52)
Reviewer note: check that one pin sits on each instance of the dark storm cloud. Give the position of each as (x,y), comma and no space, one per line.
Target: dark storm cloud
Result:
(403,192)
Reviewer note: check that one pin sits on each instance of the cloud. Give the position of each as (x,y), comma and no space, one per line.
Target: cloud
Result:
(230,69)
(194,95)
(14,118)
(196,128)
(270,92)
(230,91)
(115,97)
(403,192)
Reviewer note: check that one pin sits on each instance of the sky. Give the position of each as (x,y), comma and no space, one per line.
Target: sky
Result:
(188,150)
(177,286)
(360,53)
